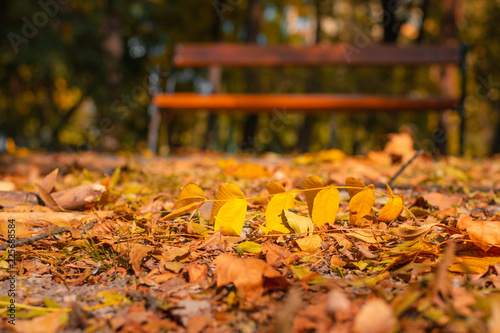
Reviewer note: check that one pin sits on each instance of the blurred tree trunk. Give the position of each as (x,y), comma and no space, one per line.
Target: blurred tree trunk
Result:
(448,73)
(306,131)
(215,78)
(252,26)
(392,24)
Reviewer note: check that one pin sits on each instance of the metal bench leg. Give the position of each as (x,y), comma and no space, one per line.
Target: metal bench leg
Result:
(154,126)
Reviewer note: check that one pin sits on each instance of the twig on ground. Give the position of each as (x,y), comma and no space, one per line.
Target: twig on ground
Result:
(47,234)
(404,166)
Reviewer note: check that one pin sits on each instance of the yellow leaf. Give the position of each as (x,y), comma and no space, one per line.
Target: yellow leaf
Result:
(354,182)
(183,210)
(225,193)
(360,205)
(392,209)
(251,171)
(275,188)
(326,206)
(309,243)
(250,247)
(389,190)
(279,202)
(331,155)
(189,194)
(231,217)
(309,183)
(474,265)
(299,224)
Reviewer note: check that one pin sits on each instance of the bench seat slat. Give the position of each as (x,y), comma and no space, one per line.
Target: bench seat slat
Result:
(251,55)
(302,102)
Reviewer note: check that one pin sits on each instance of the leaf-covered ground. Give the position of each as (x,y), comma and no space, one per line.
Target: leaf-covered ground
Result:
(257,245)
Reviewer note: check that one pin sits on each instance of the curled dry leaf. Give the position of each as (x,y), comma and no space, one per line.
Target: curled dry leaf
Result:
(249,276)
(276,255)
(484,234)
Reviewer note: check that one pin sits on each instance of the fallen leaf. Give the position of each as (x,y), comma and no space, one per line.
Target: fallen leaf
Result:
(312,182)
(360,205)
(225,193)
(376,316)
(309,243)
(231,217)
(299,224)
(279,202)
(326,204)
(249,276)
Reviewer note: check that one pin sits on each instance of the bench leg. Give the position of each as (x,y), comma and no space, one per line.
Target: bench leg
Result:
(154,126)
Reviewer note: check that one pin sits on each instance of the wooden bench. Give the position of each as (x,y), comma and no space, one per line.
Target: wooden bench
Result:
(250,55)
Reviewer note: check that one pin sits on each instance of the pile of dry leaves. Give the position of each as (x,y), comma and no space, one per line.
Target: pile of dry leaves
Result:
(271,244)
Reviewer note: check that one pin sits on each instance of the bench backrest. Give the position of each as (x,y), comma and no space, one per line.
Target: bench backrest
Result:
(252,55)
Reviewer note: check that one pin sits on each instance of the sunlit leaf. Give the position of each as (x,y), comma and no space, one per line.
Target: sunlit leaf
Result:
(250,247)
(189,194)
(225,193)
(275,188)
(279,203)
(312,182)
(309,243)
(354,182)
(392,209)
(360,205)
(299,224)
(326,206)
(231,217)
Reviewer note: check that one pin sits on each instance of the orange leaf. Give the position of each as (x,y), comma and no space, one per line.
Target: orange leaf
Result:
(309,183)
(249,276)
(392,209)
(484,234)
(354,182)
(275,188)
(360,205)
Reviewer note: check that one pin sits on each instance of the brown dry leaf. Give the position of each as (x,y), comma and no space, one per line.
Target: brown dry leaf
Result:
(137,253)
(49,182)
(20,229)
(400,144)
(309,243)
(276,255)
(442,201)
(485,234)
(249,276)
(196,272)
(376,316)
(49,323)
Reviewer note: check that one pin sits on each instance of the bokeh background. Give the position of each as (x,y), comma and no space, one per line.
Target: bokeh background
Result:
(74,74)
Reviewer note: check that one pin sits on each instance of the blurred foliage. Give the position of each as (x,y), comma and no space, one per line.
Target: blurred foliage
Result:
(74,74)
